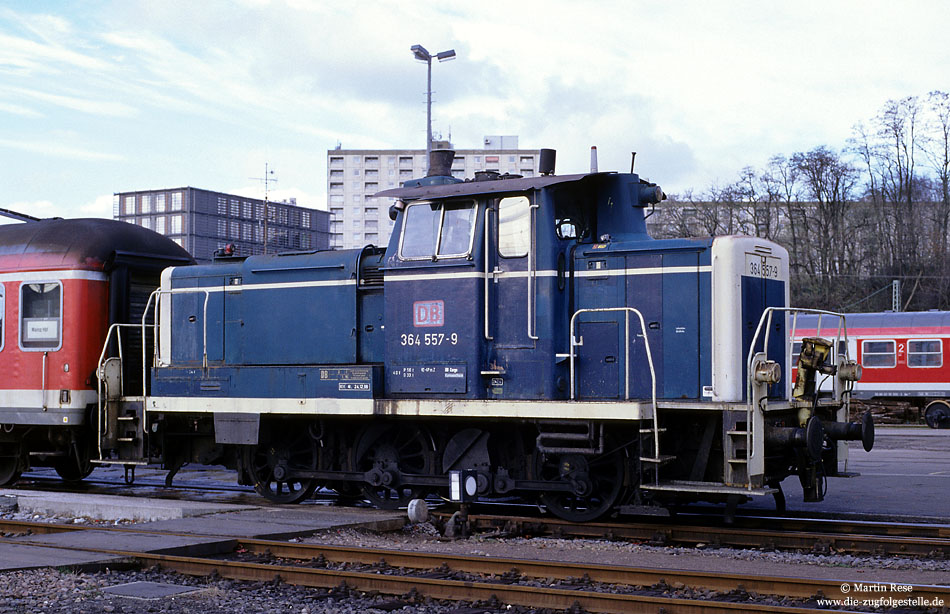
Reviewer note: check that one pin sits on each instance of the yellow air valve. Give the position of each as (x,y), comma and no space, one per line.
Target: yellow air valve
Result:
(813,358)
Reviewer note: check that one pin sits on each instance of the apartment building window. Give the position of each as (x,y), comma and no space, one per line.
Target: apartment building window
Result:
(336,213)
(372,161)
(371,174)
(405,174)
(128,205)
(222,205)
(235,208)
(160,224)
(146,203)
(247,209)
(336,174)
(160,203)
(223,229)
(305,219)
(336,161)
(371,186)
(527,159)
(371,237)
(336,188)
(176,201)
(146,222)
(392,160)
(370,212)
(247,231)
(405,161)
(175,224)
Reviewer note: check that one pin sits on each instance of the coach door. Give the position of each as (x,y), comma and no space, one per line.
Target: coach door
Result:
(511,280)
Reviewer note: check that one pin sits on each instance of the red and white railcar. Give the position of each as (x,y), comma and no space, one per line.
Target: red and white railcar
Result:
(62,284)
(904,355)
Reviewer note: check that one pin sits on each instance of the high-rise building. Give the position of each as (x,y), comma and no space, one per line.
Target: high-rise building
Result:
(203,221)
(354,175)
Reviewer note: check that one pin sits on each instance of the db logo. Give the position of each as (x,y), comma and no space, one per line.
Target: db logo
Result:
(428,313)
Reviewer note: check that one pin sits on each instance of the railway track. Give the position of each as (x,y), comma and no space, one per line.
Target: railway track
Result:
(874,538)
(527,583)
(825,536)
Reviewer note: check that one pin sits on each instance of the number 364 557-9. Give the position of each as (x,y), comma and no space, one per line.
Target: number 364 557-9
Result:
(428,339)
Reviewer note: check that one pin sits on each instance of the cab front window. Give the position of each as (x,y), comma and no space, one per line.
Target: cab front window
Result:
(434,230)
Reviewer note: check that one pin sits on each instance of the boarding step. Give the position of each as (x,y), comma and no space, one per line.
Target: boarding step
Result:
(708,487)
(737,433)
(662,429)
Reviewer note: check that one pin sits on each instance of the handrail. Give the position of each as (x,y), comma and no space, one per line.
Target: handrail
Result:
(488,210)
(115,327)
(204,317)
(646,340)
(532,274)
(43,391)
(765,321)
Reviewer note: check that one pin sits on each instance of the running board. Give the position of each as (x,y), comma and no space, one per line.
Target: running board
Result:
(709,487)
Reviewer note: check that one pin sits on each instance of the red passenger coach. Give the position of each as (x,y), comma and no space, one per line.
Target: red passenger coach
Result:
(904,356)
(62,284)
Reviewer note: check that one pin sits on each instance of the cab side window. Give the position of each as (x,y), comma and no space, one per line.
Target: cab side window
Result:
(41,316)
(514,226)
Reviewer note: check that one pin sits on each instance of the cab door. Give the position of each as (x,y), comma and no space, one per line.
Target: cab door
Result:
(511,280)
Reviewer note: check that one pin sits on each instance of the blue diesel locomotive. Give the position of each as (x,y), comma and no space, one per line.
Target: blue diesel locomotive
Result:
(518,336)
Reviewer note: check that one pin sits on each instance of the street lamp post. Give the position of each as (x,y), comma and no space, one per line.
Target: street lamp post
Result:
(422,55)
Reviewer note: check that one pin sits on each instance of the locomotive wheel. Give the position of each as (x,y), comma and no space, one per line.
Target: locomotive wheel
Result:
(599,483)
(9,464)
(385,452)
(271,466)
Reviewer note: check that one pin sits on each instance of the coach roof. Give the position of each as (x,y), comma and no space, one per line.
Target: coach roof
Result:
(87,243)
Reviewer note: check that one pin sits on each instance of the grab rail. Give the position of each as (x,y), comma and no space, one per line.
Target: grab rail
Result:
(626,395)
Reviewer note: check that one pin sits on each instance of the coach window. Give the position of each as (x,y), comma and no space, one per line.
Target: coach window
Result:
(41,316)
(514,226)
(878,354)
(3,313)
(924,353)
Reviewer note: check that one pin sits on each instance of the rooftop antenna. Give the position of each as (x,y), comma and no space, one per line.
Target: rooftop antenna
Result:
(266,179)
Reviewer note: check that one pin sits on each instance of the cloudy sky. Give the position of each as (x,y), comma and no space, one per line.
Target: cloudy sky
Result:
(98,97)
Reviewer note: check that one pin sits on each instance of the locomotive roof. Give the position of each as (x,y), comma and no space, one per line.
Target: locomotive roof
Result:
(85,243)
(471,188)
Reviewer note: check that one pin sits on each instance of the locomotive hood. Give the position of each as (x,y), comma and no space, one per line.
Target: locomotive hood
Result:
(89,243)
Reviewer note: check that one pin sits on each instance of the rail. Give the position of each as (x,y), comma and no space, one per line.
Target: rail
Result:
(626,361)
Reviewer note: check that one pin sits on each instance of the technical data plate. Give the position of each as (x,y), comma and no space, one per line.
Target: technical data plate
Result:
(347,380)
(422,378)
